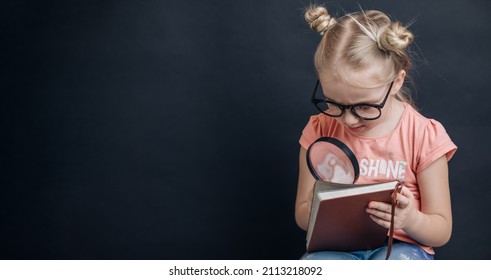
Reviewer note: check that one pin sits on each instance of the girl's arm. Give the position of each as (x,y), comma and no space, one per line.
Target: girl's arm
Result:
(432,225)
(304,192)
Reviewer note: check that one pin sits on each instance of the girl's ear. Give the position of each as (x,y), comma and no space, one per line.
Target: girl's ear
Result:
(399,81)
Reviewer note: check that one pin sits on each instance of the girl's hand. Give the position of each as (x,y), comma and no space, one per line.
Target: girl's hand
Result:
(405,212)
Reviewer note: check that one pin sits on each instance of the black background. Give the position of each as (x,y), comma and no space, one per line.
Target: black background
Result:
(169,129)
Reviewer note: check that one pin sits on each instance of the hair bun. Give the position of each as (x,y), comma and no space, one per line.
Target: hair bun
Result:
(395,38)
(319,19)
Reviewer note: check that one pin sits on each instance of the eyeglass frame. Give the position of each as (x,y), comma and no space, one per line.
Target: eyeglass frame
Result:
(315,101)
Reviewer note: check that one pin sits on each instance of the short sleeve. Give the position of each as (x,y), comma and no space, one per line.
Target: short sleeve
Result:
(311,132)
(435,143)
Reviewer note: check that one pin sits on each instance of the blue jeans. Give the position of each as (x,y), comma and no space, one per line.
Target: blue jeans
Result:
(400,251)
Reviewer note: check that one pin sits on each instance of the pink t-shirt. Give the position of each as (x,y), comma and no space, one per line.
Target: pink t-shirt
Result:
(411,148)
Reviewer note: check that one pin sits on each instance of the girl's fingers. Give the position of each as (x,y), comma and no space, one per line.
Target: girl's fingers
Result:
(404,198)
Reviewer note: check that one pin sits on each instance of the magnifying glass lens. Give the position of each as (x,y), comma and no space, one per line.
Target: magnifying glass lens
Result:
(331,160)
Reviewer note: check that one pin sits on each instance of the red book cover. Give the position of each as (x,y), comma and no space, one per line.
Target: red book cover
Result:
(338,220)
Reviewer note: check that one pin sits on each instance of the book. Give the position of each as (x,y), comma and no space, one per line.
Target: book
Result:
(339,221)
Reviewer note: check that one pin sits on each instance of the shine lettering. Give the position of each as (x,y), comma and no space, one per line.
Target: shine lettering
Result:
(383,168)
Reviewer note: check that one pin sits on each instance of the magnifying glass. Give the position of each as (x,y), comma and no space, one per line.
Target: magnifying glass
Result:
(331,160)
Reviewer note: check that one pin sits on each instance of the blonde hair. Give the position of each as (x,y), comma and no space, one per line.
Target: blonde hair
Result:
(360,40)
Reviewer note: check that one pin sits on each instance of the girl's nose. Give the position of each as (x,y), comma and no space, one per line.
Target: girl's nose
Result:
(349,118)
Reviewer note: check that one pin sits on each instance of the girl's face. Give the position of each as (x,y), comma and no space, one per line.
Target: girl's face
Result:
(367,90)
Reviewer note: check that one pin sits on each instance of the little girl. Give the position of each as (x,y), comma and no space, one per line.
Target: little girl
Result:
(362,62)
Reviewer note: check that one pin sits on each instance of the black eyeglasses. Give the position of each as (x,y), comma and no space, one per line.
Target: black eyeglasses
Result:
(361,110)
